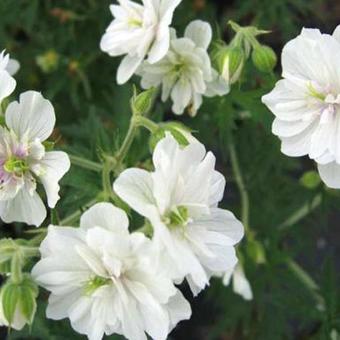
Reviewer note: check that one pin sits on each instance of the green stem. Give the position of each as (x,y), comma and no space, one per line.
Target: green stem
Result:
(146,123)
(301,213)
(307,281)
(69,220)
(85,163)
(241,186)
(121,153)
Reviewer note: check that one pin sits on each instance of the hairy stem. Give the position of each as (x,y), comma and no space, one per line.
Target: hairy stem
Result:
(307,281)
(241,187)
(85,163)
(301,213)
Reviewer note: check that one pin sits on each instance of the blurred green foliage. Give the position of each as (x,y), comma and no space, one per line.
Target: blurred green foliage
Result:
(57,44)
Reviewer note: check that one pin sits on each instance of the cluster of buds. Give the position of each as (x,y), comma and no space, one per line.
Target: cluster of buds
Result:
(230,59)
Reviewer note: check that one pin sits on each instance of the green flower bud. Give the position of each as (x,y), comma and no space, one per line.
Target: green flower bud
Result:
(310,180)
(264,58)
(179,131)
(18,303)
(256,251)
(230,62)
(141,103)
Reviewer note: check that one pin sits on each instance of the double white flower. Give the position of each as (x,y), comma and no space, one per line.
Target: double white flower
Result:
(24,160)
(185,73)
(108,282)
(8,67)
(138,31)
(195,239)
(306,102)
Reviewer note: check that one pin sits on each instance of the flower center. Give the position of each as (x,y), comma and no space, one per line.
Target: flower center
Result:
(177,217)
(96,282)
(316,93)
(135,23)
(15,165)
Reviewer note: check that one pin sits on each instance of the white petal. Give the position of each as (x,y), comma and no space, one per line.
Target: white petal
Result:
(107,216)
(12,66)
(181,95)
(179,309)
(336,33)
(330,174)
(7,85)
(241,285)
(24,208)
(134,186)
(127,68)
(33,116)
(54,166)
(200,33)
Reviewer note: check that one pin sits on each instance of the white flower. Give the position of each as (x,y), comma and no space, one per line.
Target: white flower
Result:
(107,283)
(8,67)
(194,237)
(306,102)
(19,320)
(185,73)
(241,285)
(23,160)
(138,31)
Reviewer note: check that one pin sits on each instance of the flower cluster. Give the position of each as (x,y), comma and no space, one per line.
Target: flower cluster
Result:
(114,281)
(306,102)
(181,66)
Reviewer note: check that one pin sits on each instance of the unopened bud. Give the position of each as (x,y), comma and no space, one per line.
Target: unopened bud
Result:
(142,102)
(264,58)
(18,303)
(310,180)
(179,131)
(230,62)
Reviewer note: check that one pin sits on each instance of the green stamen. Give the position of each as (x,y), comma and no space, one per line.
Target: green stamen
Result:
(177,217)
(95,283)
(16,165)
(315,93)
(135,23)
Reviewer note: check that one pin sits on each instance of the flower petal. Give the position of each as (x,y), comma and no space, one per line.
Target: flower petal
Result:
(54,164)
(200,33)
(107,216)
(7,85)
(24,208)
(330,174)
(32,117)
(134,186)
(127,68)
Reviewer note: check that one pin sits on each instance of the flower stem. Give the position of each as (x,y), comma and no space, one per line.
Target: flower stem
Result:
(301,213)
(241,186)
(123,150)
(146,123)
(85,163)
(307,281)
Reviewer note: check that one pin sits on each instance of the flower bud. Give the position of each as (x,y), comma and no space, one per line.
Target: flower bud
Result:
(256,251)
(178,130)
(18,303)
(310,180)
(264,58)
(142,102)
(230,62)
